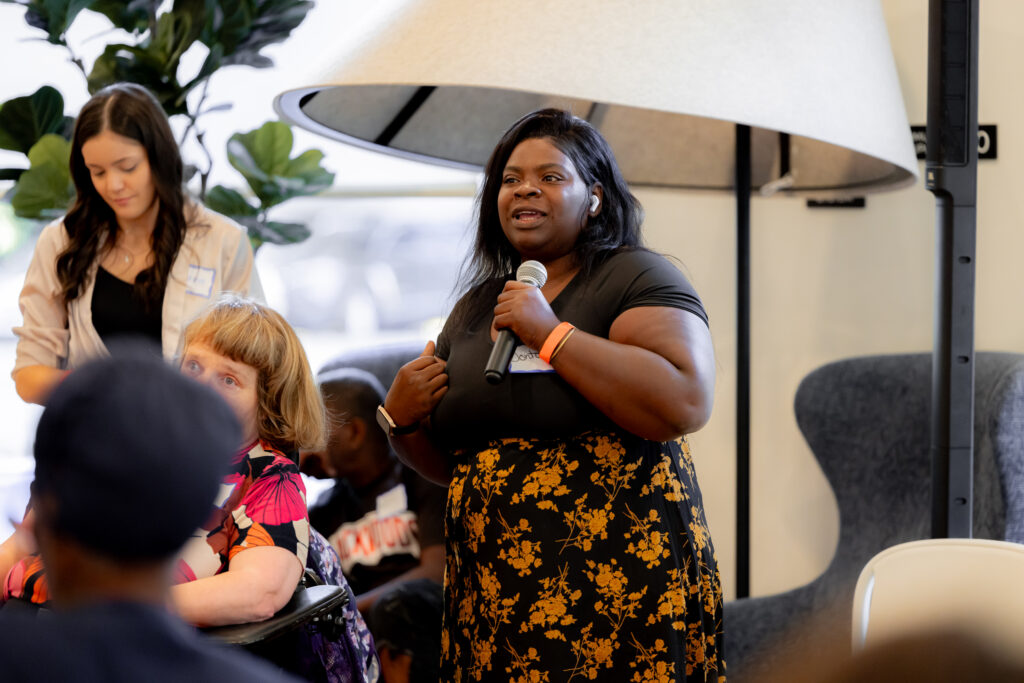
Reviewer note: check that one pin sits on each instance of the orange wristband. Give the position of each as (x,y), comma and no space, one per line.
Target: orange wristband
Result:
(561,331)
(561,344)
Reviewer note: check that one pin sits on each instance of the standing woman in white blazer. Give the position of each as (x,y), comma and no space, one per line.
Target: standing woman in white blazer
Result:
(134,256)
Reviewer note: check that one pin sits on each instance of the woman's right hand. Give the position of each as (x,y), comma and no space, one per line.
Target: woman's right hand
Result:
(418,387)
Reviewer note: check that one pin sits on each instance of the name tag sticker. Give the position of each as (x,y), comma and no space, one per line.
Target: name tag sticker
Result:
(525,359)
(200,281)
(392,502)
(223,494)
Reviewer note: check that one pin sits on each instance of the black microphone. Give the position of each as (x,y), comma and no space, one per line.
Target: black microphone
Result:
(532,273)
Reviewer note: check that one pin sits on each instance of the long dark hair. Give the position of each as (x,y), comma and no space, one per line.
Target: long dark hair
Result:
(615,227)
(132,112)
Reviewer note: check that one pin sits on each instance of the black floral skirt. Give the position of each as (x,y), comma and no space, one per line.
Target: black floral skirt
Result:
(579,561)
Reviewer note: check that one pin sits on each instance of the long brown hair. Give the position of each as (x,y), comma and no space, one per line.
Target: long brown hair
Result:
(616,227)
(132,112)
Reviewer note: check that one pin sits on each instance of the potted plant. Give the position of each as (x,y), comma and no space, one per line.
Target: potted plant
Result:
(234,32)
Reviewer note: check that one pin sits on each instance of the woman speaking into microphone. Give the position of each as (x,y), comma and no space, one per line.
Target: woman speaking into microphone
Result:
(577,544)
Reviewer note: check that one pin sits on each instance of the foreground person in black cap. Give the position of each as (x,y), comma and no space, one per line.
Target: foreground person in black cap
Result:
(110,430)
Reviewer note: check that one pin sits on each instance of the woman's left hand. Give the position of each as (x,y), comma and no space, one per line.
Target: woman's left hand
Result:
(523,309)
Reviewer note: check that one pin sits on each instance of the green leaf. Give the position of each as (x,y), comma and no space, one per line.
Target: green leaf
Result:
(229,202)
(23,120)
(130,15)
(153,63)
(274,232)
(52,16)
(50,149)
(307,166)
(45,189)
(8,141)
(274,20)
(241,28)
(173,37)
(262,157)
(268,147)
(200,12)
(231,24)
(145,66)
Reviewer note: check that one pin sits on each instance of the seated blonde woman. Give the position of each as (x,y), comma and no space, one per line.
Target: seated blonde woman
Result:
(244,564)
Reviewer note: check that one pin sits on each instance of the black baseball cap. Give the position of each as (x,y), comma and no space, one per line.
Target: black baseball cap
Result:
(130,454)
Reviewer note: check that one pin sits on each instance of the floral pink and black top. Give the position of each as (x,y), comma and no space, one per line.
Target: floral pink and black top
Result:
(261,502)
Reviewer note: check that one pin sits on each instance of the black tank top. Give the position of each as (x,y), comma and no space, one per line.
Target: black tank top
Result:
(116,312)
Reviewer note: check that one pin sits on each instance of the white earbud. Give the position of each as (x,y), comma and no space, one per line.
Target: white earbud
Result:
(594,203)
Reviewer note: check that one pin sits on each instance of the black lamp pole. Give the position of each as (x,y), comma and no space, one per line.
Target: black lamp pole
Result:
(743,185)
(951,175)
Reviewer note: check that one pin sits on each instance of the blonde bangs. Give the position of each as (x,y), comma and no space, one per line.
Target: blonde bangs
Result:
(291,411)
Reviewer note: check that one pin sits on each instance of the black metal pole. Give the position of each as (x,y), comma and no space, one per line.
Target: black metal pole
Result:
(951,174)
(742,361)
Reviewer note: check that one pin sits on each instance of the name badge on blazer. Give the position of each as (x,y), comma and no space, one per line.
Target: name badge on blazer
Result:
(525,359)
(200,281)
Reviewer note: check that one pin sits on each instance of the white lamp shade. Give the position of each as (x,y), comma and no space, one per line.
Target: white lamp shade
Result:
(663,80)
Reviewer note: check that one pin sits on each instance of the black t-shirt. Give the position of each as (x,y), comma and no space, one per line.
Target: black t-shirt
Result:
(380,529)
(117,312)
(541,403)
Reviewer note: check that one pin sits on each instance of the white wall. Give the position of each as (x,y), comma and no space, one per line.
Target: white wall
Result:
(834,283)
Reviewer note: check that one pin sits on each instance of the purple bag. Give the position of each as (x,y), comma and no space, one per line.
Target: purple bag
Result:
(342,652)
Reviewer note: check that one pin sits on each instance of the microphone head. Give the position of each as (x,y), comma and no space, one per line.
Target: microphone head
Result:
(532,272)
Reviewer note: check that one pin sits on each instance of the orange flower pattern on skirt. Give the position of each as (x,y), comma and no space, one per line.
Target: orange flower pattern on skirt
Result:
(580,560)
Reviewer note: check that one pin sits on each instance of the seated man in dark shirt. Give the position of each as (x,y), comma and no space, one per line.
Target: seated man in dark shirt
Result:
(129,453)
(385,521)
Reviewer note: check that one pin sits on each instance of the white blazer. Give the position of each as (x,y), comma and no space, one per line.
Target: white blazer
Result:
(215,256)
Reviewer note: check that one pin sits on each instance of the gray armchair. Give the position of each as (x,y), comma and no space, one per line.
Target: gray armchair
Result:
(381,361)
(867,421)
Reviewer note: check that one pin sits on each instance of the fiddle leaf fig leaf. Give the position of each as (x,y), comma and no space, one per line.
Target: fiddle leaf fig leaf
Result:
(274,232)
(229,202)
(262,152)
(52,16)
(24,120)
(241,28)
(307,166)
(130,15)
(199,10)
(136,65)
(153,63)
(262,156)
(230,25)
(45,190)
(173,37)
(277,232)
(232,204)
